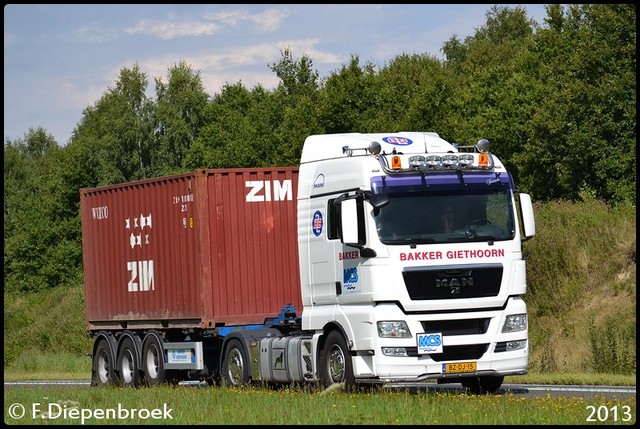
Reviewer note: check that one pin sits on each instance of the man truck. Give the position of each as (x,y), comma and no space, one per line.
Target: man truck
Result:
(338,271)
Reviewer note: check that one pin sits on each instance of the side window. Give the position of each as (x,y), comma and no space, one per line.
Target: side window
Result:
(497,212)
(333,221)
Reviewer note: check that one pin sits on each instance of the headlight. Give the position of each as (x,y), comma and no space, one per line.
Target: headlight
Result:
(393,329)
(515,323)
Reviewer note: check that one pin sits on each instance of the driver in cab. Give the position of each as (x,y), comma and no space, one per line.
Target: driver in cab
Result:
(447,218)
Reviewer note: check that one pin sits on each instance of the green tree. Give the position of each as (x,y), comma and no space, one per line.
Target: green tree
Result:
(41,249)
(582,134)
(346,102)
(413,94)
(181,104)
(115,135)
(259,128)
(297,76)
(292,112)
(229,139)
(493,83)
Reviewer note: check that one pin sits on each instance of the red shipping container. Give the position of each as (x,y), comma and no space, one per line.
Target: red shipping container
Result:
(196,250)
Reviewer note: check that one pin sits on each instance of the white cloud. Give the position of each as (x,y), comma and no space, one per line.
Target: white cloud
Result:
(269,20)
(170,30)
(95,35)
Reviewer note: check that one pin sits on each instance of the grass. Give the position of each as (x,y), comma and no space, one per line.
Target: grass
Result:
(251,406)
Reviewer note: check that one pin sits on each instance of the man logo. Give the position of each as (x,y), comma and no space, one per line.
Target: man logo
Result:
(454,282)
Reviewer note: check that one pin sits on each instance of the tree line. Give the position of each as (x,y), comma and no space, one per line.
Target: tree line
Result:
(556,100)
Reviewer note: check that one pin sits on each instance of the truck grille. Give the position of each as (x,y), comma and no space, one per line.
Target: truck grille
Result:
(468,352)
(452,282)
(457,327)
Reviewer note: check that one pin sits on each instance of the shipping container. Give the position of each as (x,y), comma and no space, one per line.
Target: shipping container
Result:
(204,249)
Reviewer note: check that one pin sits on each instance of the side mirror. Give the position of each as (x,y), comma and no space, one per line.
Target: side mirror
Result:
(528,222)
(351,222)
(379,200)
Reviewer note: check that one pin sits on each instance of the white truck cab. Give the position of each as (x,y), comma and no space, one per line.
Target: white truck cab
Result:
(411,251)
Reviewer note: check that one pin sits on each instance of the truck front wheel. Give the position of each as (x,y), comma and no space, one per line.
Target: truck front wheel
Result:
(235,365)
(335,362)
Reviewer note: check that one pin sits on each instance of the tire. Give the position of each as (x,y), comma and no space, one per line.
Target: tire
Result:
(153,361)
(235,364)
(482,385)
(102,365)
(335,362)
(129,374)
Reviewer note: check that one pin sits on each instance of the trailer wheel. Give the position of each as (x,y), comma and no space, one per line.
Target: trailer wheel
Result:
(102,365)
(482,385)
(335,362)
(153,361)
(129,372)
(235,365)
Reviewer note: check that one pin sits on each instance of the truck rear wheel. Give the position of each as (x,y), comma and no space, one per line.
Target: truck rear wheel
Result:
(235,365)
(482,385)
(102,365)
(335,362)
(153,361)
(128,369)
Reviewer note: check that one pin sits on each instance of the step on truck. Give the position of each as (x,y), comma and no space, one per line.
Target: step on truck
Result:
(381,259)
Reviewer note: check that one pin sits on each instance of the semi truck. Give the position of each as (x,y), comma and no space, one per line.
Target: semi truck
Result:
(382,258)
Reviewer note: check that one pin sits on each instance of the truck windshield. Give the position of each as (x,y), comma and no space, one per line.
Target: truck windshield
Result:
(449,216)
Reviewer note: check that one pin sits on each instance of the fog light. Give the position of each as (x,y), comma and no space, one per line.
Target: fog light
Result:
(434,161)
(516,345)
(449,161)
(394,351)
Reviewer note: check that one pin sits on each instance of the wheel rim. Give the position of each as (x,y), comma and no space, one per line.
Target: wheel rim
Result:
(151,362)
(103,367)
(235,367)
(126,368)
(336,364)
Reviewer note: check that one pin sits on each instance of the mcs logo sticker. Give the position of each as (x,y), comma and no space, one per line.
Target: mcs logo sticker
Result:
(350,279)
(429,343)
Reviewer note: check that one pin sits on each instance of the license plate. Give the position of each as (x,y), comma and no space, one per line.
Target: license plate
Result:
(449,368)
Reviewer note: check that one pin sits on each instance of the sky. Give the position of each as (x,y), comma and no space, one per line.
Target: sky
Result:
(61,59)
